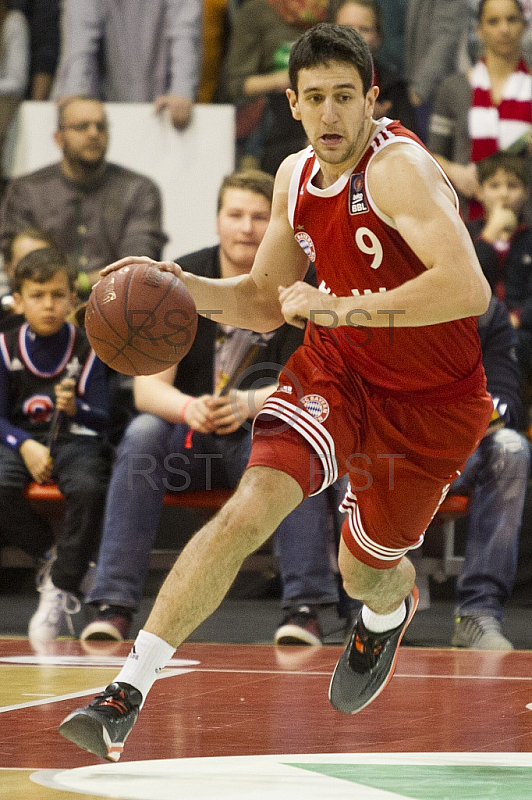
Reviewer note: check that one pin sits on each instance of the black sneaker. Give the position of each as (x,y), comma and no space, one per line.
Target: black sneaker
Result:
(112,623)
(368,663)
(300,626)
(103,726)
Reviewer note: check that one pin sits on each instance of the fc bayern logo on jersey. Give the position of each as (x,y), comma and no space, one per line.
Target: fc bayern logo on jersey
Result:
(305,242)
(357,197)
(317,406)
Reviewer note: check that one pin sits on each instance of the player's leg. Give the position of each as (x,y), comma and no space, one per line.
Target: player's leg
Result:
(207,567)
(194,588)
(389,599)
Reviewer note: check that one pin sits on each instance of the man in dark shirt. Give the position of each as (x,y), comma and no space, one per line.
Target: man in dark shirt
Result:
(96,211)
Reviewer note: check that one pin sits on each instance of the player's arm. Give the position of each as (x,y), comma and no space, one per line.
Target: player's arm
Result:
(408,187)
(248,301)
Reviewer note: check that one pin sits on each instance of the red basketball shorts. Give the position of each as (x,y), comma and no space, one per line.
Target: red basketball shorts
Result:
(401,456)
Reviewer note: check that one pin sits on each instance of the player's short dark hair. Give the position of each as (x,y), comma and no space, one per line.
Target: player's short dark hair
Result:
(252,180)
(41,266)
(482,3)
(515,165)
(373,5)
(327,42)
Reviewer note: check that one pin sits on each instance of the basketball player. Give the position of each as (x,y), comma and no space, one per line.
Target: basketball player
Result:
(388,384)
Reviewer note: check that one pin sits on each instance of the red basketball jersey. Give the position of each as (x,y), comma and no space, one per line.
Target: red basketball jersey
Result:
(357,250)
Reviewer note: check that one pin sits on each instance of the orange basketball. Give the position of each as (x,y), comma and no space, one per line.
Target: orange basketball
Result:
(140,320)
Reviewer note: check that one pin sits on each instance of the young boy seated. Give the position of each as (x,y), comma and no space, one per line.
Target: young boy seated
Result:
(503,242)
(52,428)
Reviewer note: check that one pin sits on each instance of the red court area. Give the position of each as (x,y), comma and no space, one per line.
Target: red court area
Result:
(234,700)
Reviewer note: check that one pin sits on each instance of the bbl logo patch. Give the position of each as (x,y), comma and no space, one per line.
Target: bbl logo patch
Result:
(306,243)
(357,198)
(317,406)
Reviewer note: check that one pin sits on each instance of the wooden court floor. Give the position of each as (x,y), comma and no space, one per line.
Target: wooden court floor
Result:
(254,722)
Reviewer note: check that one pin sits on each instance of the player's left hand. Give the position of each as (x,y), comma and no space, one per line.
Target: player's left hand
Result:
(300,302)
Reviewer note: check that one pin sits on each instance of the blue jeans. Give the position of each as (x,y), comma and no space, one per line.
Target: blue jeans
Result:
(495,476)
(306,543)
(152,459)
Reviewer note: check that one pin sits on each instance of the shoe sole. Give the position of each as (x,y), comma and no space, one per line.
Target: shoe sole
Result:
(101,632)
(88,733)
(294,634)
(415,601)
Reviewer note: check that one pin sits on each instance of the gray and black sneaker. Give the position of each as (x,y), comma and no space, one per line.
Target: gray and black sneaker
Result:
(103,726)
(368,663)
(479,632)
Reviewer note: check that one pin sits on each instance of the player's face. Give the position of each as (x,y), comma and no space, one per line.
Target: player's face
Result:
(241,224)
(84,136)
(45,305)
(362,19)
(334,111)
(503,189)
(501,28)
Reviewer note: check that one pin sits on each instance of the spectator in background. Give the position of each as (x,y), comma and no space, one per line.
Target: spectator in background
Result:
(16,248)
(14,70)
(432,36)
(503,243)
(495,477)
(132,52)
(365,16)
(47,365)
(489,108)
(216,31)
(474,47)
(96,211)
(392,48)
(257,77)
(43,18)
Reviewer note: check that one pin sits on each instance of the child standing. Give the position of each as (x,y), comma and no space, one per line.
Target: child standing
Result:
(35,359)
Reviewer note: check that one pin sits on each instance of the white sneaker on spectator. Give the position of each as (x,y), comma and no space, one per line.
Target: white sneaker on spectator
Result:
(54,610)
(479,632)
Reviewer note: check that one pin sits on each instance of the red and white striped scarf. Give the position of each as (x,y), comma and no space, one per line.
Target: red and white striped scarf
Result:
(495,128)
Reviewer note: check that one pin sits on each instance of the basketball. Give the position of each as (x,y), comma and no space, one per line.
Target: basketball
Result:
(140,320)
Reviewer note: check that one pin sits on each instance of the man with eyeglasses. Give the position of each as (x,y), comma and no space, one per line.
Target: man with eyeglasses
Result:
(96,211)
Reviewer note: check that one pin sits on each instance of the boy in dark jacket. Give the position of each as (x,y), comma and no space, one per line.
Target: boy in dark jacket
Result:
(54,411)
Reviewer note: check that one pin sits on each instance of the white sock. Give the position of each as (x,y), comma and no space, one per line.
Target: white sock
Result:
(146,659)
(378,623)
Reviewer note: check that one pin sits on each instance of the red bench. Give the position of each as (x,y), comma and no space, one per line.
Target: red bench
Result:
(50,499)
(438,558)
(208,499)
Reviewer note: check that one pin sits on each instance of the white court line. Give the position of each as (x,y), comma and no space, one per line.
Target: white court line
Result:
(59,698)
(319,673)
(221,671)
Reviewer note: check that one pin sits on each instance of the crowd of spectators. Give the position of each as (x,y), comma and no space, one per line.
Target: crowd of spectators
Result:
(456,72)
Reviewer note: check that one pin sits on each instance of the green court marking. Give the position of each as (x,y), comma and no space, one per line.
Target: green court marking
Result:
(435,782)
